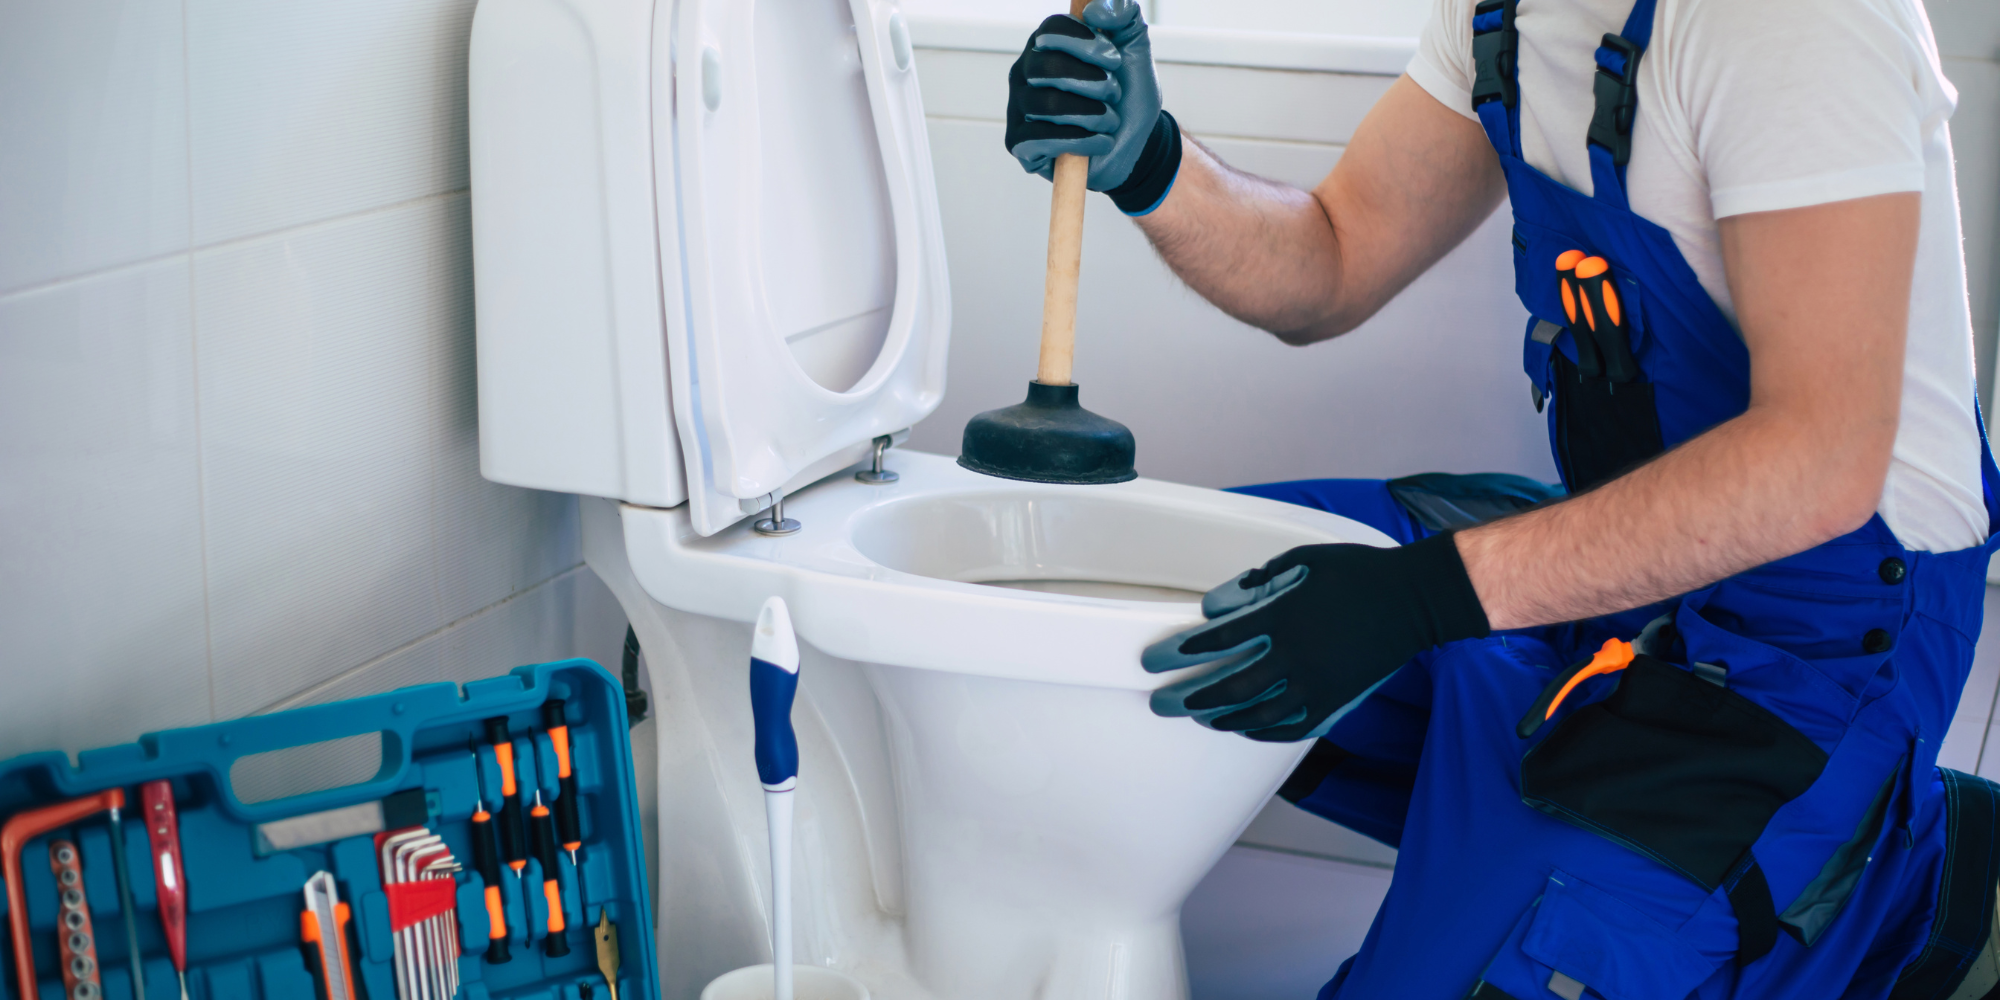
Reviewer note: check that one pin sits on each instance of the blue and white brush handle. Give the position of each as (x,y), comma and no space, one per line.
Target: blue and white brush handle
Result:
(774,682)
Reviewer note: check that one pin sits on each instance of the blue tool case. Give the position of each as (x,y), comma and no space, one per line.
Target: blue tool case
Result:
(245,865)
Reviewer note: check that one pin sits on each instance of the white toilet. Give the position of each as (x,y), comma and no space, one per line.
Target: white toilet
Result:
(710,276)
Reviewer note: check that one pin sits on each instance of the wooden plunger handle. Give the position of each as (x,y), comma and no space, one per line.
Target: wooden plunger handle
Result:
(1065,260)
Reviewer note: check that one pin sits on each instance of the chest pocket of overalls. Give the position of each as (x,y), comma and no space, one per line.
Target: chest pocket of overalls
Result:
(1606,421)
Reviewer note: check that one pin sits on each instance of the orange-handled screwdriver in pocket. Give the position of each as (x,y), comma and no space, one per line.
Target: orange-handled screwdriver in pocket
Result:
(1604,314)
(1582,319)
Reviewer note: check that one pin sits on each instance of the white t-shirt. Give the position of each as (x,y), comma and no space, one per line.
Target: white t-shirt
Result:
(1758,105)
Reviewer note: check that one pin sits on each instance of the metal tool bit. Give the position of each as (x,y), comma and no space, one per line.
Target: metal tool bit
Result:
(607,951)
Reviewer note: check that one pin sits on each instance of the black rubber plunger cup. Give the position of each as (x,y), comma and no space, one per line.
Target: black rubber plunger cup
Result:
(1048,438)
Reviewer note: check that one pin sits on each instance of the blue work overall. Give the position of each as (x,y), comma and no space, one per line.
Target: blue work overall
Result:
(1753,808)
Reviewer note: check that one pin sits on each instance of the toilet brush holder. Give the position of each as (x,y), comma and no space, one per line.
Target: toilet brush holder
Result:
(811,982)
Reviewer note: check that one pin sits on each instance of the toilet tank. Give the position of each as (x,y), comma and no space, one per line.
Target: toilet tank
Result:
(707,258)
(572,360)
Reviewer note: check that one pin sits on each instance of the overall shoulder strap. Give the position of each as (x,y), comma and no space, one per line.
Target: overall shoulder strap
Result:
(1615,88)
(1495,91)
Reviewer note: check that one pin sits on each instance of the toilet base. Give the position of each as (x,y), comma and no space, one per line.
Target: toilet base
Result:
(987,808)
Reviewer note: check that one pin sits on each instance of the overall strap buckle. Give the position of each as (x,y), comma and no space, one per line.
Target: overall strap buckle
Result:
(1494,47)
(1617,96)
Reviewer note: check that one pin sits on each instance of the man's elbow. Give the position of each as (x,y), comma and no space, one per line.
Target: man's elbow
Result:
(1305,333)
(1852,493)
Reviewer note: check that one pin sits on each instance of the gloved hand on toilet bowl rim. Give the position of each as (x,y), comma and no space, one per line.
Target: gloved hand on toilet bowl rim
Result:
(1295,644)
(1088,88)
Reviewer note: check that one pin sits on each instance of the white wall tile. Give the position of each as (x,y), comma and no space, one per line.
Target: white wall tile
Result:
(1327,17)
(1966,28)
(532,627)
(1975,140)
(93,152)
(317,394)
(1208,101)
(304,111)
(535,627)
(100,563)
(493,540)
(420,662)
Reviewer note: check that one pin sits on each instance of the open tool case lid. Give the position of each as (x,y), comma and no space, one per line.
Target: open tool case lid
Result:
(244,898)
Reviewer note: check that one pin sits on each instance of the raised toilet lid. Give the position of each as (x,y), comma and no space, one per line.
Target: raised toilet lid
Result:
(812,308)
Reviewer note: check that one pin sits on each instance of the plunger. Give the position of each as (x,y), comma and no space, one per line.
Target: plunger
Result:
(1050,437)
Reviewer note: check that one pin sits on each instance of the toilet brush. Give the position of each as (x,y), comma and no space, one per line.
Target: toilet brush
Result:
(774,680)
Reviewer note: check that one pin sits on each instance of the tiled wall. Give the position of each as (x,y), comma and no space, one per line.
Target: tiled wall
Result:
(238,440)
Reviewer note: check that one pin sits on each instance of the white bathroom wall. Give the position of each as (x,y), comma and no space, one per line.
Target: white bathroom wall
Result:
(238,463)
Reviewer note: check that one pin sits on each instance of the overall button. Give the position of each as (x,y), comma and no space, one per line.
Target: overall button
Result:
(1875,641)
(1892,570)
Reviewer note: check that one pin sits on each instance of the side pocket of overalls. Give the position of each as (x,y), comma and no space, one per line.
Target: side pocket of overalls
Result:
(1674,767)
(1578,937)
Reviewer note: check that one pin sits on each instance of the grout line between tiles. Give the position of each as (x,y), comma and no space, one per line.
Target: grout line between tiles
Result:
(190,249)
(331,220)
(298,698)
(194,365)
(55,284)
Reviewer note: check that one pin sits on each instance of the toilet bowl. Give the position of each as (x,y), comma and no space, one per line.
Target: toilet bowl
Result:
(710,281)
(988,809)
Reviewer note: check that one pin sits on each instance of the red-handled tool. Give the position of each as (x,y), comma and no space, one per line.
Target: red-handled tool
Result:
(169,875)
(21,828)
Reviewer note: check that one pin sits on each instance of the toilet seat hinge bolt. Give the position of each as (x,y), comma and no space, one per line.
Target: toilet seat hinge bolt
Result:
(876,475)
(777,525)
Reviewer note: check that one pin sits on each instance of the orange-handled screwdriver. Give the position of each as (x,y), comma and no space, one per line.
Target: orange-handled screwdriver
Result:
(1609,320)
(557,943)
(511,848)
(1582,318)
(486,860)
(569,829)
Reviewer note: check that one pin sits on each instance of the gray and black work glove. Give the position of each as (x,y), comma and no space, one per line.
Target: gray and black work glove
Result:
(1088,88)
(1297,643)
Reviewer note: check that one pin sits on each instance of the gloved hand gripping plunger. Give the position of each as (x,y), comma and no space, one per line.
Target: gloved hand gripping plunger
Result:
(1050,437)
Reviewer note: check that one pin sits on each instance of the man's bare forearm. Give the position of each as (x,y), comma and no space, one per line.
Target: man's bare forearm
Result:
(1308,265)
(1822,294)
(1753,490)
